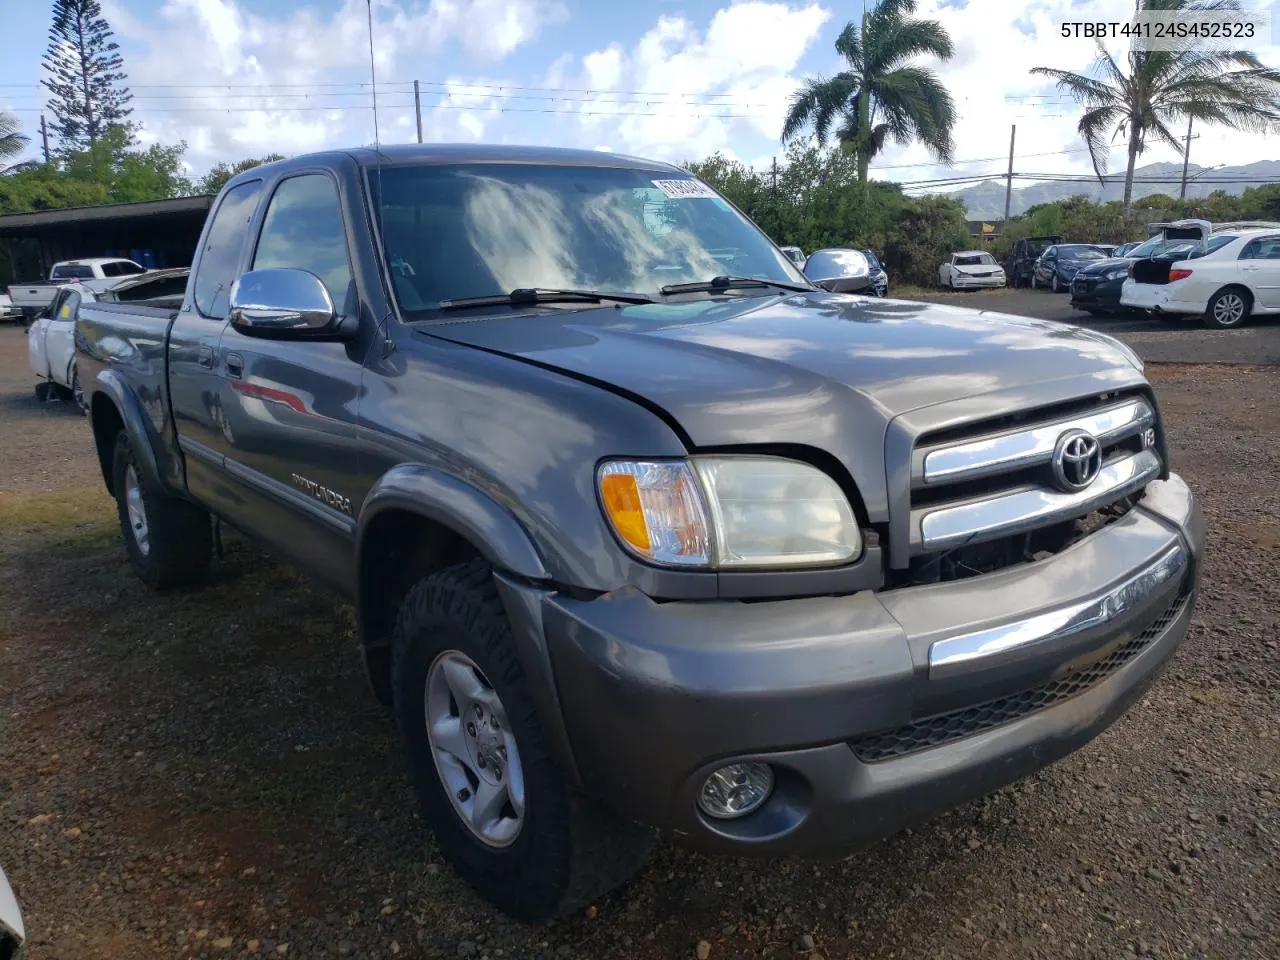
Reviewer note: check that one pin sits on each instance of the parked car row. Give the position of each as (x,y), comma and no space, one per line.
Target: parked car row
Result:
(1225,275)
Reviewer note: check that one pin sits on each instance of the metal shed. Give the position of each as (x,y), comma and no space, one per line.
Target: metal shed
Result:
(155,233)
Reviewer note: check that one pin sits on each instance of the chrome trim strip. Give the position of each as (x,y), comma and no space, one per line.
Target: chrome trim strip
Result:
(1024,510)
(991,455)
(950,656)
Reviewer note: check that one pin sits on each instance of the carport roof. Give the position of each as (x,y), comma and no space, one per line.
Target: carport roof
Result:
(47,222)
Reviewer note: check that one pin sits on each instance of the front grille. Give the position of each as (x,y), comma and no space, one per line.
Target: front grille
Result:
(994,480)
(955,725)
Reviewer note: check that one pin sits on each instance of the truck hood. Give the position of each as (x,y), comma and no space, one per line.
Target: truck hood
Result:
(760,370)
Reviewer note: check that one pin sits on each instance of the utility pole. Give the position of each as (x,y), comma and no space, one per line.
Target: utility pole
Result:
(417,108)
(1008,183)
(44,137)
(775,176)
(1186,158)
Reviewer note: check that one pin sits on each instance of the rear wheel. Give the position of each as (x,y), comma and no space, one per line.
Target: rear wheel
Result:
(487,787)
(170,541)
(1229,308)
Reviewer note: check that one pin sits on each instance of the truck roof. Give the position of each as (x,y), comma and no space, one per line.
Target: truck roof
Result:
(404,154)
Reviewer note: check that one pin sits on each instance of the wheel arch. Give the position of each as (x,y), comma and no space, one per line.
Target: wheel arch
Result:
(419,519)
(114,407)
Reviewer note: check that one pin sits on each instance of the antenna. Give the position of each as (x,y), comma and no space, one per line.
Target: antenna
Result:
(373,77)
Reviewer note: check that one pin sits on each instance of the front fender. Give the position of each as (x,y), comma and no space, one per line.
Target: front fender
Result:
(456,504)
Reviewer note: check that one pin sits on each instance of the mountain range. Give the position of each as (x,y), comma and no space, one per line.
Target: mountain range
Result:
(985,200)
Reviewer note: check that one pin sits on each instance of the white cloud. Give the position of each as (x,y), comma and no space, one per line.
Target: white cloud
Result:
(294,83)
(997,44)
(688,90)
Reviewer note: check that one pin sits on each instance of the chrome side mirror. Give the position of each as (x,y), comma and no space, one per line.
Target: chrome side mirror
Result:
(283,303)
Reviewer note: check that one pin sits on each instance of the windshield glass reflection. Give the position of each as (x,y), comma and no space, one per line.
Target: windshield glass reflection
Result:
(453,232)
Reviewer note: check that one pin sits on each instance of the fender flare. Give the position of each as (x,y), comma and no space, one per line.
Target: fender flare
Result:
(452,502)
(129,407)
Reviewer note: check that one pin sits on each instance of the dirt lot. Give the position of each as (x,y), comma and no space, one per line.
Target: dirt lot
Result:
(205,775)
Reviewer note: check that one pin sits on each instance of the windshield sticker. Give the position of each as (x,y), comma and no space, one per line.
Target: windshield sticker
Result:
(685,189)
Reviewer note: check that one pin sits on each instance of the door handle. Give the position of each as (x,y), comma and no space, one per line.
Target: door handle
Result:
(235,365)
(204,357)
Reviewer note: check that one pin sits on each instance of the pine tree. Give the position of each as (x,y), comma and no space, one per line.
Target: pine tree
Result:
(85,76)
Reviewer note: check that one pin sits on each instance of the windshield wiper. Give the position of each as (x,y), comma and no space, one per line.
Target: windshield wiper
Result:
(527,296)
(726,283)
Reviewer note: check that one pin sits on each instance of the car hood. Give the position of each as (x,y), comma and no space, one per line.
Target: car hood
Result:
(1105,266)
(778,359)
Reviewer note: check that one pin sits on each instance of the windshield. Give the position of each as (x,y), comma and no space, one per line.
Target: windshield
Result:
(975,260)
(454,232)
(72,271)
(1079,251)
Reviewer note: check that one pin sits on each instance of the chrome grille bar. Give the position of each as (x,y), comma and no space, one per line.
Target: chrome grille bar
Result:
(1022,510)
(952,655)
(1002,453)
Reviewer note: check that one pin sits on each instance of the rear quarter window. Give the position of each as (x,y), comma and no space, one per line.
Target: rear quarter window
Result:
(223,249)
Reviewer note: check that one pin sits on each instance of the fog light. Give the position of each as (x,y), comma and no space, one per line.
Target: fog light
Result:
(736,790)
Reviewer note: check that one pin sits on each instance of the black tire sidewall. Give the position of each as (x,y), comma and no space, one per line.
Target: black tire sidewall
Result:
(178,531)
(143,563)
(529,878)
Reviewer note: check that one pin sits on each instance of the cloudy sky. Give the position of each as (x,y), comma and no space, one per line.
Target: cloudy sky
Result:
(672,79)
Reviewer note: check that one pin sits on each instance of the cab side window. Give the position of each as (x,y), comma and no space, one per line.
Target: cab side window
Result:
(303,231)
(223,247)
(1264,248)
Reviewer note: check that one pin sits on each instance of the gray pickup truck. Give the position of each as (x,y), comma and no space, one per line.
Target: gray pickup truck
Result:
(642,529)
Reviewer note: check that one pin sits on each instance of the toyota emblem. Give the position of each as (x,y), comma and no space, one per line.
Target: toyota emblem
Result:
(1077,460)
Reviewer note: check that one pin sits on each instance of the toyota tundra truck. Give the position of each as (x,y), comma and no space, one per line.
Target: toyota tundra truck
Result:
(644,532)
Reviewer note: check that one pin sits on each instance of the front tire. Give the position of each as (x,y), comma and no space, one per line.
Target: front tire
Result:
(1229,308)
(1056,286)
(170,541)
(465,711)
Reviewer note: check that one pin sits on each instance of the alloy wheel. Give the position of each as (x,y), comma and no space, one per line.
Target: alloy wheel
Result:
(474,749)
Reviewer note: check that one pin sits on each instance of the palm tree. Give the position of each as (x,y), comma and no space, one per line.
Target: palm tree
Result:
(12,141)
(1160,88)
(881,94)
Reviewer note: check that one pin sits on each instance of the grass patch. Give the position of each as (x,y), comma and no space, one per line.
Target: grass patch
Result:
(90,508)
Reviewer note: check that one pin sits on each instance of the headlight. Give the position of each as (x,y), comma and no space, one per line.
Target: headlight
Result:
(1117,274)
(729,512)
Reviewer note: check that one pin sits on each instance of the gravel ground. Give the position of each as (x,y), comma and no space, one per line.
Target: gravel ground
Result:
(204,774)
(1181,341)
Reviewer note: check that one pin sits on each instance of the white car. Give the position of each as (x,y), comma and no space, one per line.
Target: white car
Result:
(51,348)
(94,273)
(971,269)
(1230,277)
